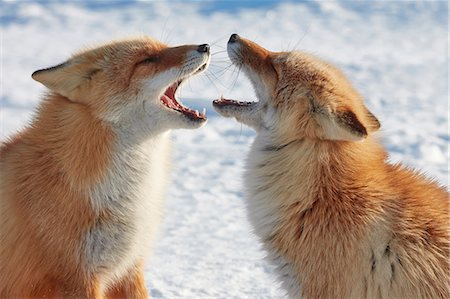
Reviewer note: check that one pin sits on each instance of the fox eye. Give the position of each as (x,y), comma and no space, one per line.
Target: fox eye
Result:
(151,59)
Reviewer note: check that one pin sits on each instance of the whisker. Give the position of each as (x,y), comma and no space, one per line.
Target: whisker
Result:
(219,39)
(221,64)
(219,56)
(166,40)
(303,36)
(217,79)
(236,77)
(220,59)
(218,66)
(164,28)
(213,83)
(223,71)
(218,52)
(214,45)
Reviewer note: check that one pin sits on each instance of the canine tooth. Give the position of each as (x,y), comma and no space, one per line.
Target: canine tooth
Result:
(204,111)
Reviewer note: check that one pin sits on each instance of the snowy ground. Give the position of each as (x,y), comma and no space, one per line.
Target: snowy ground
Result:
(394,52)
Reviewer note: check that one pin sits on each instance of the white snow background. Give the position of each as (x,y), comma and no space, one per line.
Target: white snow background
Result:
(396,54)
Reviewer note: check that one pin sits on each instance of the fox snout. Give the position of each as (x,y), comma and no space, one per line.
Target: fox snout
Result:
(233,38)
(310,97)
(245,52)
(256,62)
(203,48)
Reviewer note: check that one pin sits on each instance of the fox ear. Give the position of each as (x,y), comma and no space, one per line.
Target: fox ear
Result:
(373,123)
(345,124)
(66,77)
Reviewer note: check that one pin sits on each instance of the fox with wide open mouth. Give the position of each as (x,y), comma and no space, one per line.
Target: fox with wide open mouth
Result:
(335,217)
(82,188)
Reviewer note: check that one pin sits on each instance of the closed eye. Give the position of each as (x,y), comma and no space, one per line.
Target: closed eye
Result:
(151,59)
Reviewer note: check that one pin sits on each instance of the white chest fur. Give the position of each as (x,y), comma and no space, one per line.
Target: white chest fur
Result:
(279,180)
(268,183)
(129,207)
(263,186)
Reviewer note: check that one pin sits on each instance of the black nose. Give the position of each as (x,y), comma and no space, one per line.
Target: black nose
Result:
(203,48)
(234,37)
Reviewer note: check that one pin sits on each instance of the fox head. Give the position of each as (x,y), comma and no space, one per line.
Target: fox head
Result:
(300,96)
(130,80)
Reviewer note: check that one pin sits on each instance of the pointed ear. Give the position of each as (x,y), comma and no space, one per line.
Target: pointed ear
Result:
(373,123)
(66,77)
(346,124)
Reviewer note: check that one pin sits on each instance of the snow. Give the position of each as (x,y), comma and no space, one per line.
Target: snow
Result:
(396,53)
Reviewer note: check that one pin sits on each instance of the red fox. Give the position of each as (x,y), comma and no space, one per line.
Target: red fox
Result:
(335,218)
(81,189)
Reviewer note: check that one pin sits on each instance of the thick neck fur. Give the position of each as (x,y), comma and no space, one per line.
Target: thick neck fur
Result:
(333,211)
(320,167)
(302,200)
(71,135)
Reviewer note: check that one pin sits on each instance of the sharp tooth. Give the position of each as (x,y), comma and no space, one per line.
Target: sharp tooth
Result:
(204,112)
(196,112)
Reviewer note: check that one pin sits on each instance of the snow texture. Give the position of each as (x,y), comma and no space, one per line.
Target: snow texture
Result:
(394,52)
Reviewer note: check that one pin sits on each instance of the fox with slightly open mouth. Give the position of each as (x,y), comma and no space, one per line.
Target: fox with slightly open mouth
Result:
(82,187)
(336,219)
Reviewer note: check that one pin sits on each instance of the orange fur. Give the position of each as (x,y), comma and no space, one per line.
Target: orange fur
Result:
(336,218)
(131,286)
(44,181)
(57,218)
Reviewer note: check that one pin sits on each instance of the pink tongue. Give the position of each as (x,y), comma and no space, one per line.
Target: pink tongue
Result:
(169,102)
(170,92)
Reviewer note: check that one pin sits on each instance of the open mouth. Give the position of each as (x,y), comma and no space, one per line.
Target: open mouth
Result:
(228,102)
(169,100)
(201,68)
